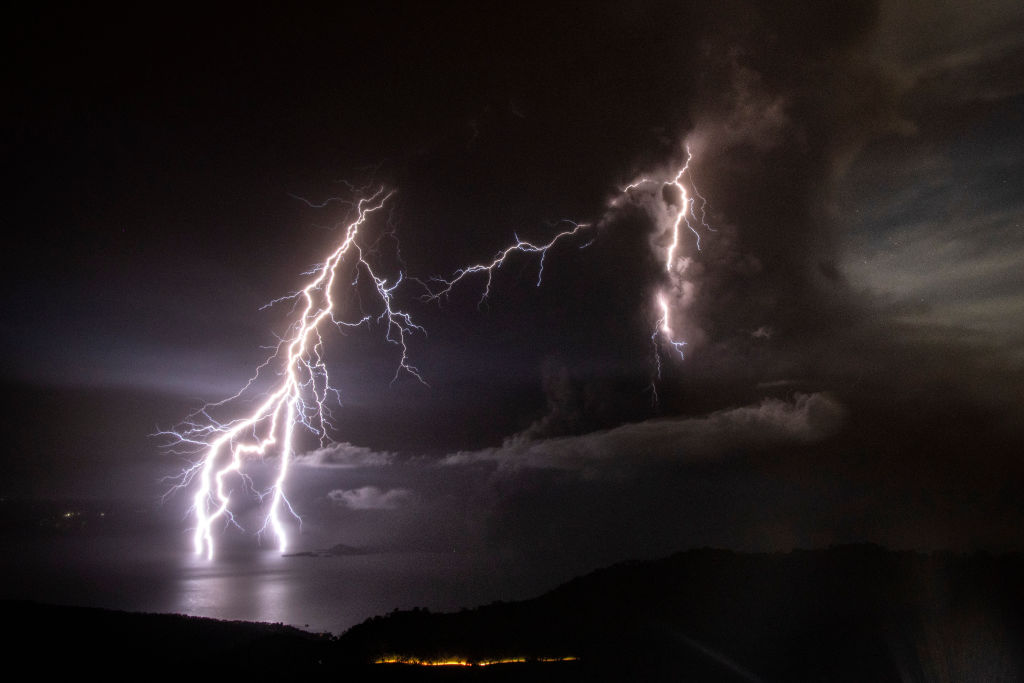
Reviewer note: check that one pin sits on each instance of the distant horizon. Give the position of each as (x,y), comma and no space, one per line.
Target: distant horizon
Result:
(251,583)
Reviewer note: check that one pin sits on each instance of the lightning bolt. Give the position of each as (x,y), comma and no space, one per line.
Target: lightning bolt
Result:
(299,397)
(682,215)
(444,287)
(663,333)
(301,392)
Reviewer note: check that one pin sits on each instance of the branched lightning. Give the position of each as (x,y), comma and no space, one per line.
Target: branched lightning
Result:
(299,397)
(664,332)
(444,287)
(300,392)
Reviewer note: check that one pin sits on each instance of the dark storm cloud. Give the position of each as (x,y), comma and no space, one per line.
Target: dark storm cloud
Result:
(792,105)
(905,434)
(564,407)
(531,496)
(815,129)
(806,419)
(951,53)
(773,105)
(369,498)
(932,215)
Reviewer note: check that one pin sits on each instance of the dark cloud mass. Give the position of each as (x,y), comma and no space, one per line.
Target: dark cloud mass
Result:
(853,316)
(807,419)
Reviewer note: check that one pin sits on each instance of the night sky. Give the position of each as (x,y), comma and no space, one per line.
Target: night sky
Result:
(854,318)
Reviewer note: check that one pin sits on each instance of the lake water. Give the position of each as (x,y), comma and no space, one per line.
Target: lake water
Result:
(321,594)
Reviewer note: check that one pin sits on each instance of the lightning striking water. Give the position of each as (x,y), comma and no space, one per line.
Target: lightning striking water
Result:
(299,396)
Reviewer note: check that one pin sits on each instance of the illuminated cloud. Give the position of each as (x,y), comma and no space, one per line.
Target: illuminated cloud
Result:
(345,455)
(805,419)
(370,498)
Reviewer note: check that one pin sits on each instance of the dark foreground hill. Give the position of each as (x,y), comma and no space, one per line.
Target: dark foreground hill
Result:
(856,613)
(51,640)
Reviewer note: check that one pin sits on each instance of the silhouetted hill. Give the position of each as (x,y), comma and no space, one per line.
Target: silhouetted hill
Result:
(850,613)
(50,640)
(857,613)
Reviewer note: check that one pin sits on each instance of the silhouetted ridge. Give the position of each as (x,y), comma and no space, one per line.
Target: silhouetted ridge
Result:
(849,613)
(854,612)
(52,639)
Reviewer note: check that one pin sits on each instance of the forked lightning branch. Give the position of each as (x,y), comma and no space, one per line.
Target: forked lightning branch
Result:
(301,392)
(300,398)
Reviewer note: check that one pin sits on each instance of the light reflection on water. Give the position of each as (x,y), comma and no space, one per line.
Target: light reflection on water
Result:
(260,587)
(316,593)
(322,594)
